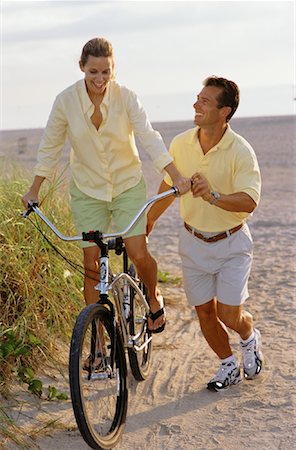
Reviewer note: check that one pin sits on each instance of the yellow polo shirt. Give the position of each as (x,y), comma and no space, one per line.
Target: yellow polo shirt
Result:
(104,162)
(231,166)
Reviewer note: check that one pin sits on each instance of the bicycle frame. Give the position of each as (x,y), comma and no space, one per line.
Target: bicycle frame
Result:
(122,299)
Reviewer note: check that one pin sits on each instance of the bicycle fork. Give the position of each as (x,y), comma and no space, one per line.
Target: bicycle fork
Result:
(103,287)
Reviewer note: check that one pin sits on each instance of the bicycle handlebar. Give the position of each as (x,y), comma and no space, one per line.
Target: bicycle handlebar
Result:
(33,207)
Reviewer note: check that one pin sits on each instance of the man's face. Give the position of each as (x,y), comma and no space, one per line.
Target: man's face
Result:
(206,108)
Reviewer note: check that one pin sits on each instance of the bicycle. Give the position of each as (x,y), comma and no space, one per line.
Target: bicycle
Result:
(102,333)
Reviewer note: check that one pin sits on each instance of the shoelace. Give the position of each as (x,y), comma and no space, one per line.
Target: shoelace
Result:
(223,371)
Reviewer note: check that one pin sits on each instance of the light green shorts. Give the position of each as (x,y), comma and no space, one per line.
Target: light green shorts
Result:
(93,214)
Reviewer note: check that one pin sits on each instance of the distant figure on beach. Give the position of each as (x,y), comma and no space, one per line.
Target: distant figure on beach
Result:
(215,243)
(22,145)
(100,118)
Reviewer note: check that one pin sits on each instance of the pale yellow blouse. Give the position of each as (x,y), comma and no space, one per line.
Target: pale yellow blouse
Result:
(104,162)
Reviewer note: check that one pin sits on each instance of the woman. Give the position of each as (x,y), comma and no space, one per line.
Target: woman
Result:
(99,118)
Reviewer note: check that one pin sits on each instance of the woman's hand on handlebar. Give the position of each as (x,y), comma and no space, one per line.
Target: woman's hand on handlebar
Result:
(29,196)
(183,184)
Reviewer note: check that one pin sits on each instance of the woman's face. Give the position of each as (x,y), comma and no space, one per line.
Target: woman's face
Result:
(98,72)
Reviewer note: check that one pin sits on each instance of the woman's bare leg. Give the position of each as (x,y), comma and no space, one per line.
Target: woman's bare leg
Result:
(146,266)
(91,273)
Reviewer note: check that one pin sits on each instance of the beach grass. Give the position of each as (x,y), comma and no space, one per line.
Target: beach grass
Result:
(10,432)
(40,294)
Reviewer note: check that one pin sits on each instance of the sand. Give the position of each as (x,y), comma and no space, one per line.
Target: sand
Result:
(172,410)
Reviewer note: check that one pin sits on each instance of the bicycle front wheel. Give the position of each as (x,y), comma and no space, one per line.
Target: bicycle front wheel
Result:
(98,378)
(140,353)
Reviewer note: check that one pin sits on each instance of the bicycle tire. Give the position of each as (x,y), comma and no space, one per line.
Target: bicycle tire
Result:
(140,361)
(99,395)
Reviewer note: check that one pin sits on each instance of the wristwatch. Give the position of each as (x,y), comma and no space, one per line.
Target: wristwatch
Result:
(216,196)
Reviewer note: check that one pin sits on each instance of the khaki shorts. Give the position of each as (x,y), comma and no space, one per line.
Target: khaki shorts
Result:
(92,214)
(219,269)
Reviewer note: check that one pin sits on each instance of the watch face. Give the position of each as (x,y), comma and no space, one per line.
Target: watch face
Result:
(216,195)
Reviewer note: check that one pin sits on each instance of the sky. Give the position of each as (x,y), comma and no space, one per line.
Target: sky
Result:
(163,52)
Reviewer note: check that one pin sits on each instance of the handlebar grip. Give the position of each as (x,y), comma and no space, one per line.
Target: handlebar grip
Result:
(32,204)
(92,236)
(31,207)
(176,189)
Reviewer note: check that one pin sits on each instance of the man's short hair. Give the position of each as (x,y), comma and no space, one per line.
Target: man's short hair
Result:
(229,95)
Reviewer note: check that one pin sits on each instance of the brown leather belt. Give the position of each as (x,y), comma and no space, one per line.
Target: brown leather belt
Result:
(215,238)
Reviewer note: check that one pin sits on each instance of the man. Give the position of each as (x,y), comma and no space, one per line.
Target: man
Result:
(215,243)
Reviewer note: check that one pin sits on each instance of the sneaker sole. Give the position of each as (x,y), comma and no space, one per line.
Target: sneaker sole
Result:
(212,386)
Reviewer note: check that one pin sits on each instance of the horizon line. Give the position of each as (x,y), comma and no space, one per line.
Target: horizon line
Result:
(166,121)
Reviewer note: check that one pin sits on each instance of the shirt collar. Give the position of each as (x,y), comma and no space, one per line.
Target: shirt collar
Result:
(227,138)
(106,98)
(192,137)
(224,142)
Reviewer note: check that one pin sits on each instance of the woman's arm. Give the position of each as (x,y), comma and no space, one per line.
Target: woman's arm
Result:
(33,192)
(49,151)
(152,142)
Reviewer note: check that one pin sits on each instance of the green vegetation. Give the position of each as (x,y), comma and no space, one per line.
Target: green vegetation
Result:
(166,277)
(40,294)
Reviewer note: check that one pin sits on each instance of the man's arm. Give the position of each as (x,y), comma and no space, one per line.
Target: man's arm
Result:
(236,202)
(159,207)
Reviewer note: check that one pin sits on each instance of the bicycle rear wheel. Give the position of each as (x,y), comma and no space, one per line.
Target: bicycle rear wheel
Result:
(140,354)
(98,378)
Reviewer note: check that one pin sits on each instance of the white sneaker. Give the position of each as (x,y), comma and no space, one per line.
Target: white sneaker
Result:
(252,357)
(228,374)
